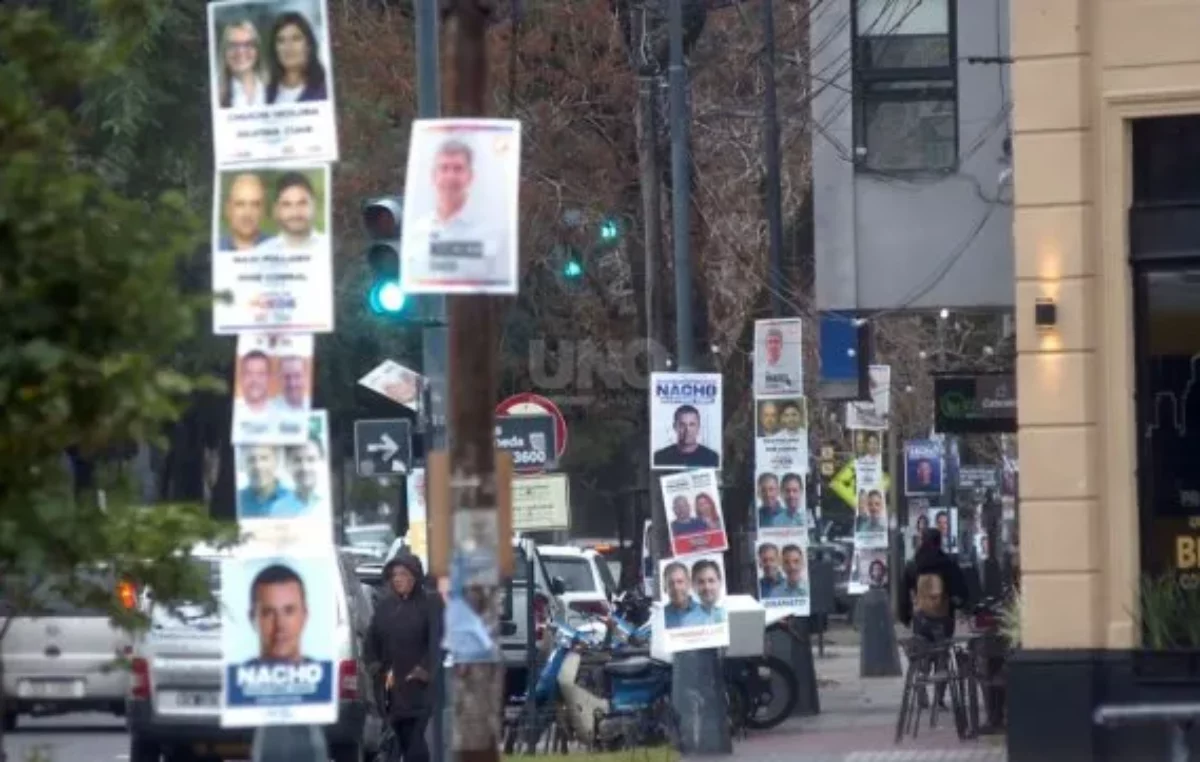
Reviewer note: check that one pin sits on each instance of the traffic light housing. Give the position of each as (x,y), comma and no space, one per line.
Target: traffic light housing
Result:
(382,218)
(610,231)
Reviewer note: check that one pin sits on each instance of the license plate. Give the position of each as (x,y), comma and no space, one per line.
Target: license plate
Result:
(50,689)
(197,699)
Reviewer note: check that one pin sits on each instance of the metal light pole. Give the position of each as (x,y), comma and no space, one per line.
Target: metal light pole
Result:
(681,187)
(771,150)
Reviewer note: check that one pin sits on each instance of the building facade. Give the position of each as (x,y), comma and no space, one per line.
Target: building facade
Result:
(911,154)
(1106,231)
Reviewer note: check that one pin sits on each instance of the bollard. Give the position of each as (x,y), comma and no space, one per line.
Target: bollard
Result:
(879,655)
(289,743)
(698,695)
(791,641)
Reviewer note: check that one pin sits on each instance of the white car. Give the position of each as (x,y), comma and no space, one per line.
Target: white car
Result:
(584,587)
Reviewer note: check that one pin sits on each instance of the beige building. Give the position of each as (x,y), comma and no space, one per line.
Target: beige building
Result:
(1107,229)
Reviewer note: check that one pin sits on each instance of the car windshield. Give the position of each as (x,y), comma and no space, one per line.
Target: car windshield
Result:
(369,536)
(576,573)
(190,613)
(48,596)
(609,571)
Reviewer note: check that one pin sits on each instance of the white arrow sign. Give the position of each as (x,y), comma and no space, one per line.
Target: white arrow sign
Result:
(387,445)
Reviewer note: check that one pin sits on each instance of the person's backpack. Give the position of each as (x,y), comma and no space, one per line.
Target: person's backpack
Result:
(932,598)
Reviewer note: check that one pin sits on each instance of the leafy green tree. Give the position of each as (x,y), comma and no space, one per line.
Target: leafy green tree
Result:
(91,319)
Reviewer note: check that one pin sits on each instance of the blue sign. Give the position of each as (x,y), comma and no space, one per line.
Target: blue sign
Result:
(923,464)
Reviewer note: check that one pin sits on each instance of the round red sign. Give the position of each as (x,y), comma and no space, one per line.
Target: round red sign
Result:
(527,403)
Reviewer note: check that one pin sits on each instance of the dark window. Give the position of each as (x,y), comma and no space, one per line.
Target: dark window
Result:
(1166,160)
(905,85)
(576,573)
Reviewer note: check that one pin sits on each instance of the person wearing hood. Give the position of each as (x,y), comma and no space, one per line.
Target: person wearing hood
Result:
(403,649)
(935,588)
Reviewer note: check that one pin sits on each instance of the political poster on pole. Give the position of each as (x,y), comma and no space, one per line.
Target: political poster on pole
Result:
(871,520)
(868,569)
(872,414)
(283,493)
(272,262)
(461,191)
(399,384)
(417,539)
(685,420)
(693,502)
(279,618)
(781,464)
(272,388)
(923,468)
(693,601)
(778,358)
(782,572)
(271,82)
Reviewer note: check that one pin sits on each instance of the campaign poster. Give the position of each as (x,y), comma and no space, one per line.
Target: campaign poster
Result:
(279,653)
(693,597)
(693,501)
(685,420)
(918,522)
(272,388)
(399,384)
(781,503)
(782,570)
(923,468)
(417,539)
(871,517)
(271,81)
(283,493)
(272,262)
(461,207)
(868,569)
(945,520)
(781,463)
(872,414)
(778,358)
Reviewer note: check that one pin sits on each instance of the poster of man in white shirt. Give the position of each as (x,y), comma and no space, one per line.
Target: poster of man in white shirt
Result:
(271,251)
(461,207)
(778,358)
(272,389)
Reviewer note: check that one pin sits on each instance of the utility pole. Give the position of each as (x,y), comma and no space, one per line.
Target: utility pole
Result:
(681,189)
(474,495)
(771,149)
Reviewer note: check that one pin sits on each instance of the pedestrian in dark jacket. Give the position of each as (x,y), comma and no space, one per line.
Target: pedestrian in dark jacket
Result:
(935,589)
(403,649)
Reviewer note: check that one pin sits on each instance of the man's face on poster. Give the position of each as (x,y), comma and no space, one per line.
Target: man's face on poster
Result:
(793,495)
(256,379)
(260,467)
(452,177)
(791,418)
(768,417)
(768,560)
(304,461)
(793,565)
(873,446)
(768,492)
(295,383)
(687,429)
(708,586)
(678,589)
(294,211)
(924,473)
(245,206)
(279,616)
(774,347)
(875,504)
(681,509)
(943,524)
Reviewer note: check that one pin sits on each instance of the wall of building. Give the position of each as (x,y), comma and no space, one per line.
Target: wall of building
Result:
(1082,70)
(920,242)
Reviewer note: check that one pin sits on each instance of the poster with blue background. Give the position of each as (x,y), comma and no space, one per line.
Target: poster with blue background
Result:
(280,622)
(923,465)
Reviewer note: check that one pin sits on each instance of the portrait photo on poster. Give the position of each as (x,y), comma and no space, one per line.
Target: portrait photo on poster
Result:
(868,569)
(272,262)
(778,358)
(693,502)
(399,384)
(685,420)
(781,418)
(693,601)
(923,468)
(271,82)
(873,413)
(782,571)
(868,458)
(871,518)
(272,390)
(781,505)
(286,483)
(461,203)
(279,617)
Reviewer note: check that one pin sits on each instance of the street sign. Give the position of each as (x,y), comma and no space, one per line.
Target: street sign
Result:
(382,446)
(531,440)
(541,503)
(844,484)
(526,403)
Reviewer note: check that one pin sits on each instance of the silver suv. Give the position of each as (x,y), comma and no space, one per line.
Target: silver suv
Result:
(174,701)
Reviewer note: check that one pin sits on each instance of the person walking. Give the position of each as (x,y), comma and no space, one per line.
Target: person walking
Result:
(403,649)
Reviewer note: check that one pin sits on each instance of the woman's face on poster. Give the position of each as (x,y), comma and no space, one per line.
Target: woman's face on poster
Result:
(922,524)
(241,48)
(291,48)
(705,508)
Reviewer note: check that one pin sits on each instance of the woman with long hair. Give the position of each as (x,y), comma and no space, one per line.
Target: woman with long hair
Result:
(706,511)
(297,75)
(242,80)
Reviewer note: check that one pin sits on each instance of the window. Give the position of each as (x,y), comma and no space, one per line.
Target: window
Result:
(905,85)
(576,573)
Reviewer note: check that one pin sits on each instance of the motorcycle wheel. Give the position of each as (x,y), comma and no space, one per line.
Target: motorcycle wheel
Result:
(767,676)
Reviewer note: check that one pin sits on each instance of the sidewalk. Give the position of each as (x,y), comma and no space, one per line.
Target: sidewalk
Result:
(857,722)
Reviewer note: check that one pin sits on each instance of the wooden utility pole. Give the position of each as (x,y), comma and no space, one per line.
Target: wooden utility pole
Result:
(474,487)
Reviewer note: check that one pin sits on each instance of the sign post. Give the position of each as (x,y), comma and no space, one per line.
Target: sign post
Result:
(531,418)
(382,446)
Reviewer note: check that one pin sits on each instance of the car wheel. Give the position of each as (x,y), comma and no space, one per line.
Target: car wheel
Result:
(10,720)
(347,753)
(141,750)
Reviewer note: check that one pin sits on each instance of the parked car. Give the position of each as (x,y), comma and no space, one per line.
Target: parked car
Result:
(584,589)
(370,539)
(64,657)
(174,700)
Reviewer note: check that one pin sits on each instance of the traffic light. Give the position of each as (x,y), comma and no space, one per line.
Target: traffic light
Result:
(382,218)
(610,231)
(572,268)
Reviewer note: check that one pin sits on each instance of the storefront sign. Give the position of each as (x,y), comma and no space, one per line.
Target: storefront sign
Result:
(983,403)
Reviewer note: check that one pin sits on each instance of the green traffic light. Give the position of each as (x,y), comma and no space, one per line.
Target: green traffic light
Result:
(572,269)
(386,297)
(609,230)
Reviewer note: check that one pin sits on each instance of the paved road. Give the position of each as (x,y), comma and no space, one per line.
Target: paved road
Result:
(69,738)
